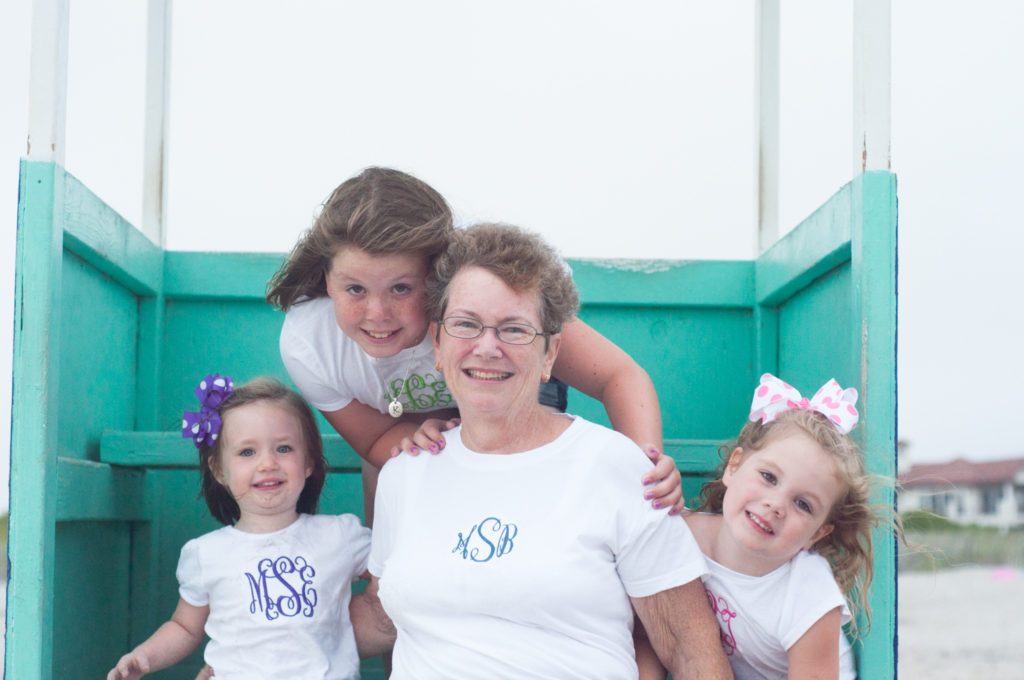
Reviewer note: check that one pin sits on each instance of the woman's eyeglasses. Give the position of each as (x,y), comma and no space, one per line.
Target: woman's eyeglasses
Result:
(512,333)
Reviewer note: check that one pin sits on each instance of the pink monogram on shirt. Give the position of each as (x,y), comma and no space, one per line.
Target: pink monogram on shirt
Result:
(725,615)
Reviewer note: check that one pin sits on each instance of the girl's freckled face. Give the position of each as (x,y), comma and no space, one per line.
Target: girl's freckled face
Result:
(378,299)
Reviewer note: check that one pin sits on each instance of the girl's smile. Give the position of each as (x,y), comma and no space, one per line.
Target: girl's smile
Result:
(378,299)
(264,464)
(777,502)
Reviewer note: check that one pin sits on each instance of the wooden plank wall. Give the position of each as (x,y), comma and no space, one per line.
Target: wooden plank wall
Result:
(114,333)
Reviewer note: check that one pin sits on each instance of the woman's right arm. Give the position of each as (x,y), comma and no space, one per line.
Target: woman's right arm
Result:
(683,631)
(171,643)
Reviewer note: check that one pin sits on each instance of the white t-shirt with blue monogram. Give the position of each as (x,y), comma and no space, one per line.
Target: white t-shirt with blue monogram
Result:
(521,566)
(330,369)
(278,601)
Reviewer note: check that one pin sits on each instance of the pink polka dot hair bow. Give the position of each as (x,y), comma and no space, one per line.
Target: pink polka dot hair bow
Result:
(773,396)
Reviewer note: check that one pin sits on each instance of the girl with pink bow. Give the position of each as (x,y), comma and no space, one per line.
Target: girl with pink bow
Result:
(786,531)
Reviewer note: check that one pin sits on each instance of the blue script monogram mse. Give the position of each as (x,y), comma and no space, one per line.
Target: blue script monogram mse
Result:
(487,540)
(282,587)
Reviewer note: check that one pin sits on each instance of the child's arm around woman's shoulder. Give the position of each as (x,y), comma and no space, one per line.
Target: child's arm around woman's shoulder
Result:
(171,643)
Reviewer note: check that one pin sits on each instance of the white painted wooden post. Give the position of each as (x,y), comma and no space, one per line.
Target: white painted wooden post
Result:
(48,81)
(766,128)
(154,182)
(872,75)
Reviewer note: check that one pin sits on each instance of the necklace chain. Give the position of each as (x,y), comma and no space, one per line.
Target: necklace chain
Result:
(395,407)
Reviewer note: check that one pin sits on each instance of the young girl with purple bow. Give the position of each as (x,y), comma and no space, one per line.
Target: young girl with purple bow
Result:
(786,531)
(272,587)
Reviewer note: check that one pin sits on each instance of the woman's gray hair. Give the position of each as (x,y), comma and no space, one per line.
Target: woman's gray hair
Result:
(521,259)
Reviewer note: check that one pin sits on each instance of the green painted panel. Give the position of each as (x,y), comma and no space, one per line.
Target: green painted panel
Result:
(816,245)
(36,385)
(94,491)
(873,256)
(667,283)
(98,235)
(170,449)
(219,275)
(91,605)
(815,328)
(700,359)
(98,331)
(236,338)
(820,303)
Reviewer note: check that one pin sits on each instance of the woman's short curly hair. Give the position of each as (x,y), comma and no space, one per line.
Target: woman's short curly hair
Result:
(521,259)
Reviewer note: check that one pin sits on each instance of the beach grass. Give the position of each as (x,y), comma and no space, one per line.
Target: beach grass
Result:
(936,543)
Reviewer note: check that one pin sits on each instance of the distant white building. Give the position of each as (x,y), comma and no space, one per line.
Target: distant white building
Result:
(987,494)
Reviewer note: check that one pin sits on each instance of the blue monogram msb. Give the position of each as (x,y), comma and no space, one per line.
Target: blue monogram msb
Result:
(487,540)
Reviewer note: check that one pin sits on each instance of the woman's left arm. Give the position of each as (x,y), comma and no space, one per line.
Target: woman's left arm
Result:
(599,368)
(683,631)
(816,654)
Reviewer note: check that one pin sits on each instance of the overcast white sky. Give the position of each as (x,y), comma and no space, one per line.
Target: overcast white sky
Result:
(616,129)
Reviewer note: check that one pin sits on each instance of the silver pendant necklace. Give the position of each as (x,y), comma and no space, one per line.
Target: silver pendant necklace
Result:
(395,407)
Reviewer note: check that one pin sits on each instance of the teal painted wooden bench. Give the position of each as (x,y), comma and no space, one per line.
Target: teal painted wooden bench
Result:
(112,334)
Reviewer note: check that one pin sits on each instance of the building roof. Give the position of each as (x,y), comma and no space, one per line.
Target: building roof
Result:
(962,471)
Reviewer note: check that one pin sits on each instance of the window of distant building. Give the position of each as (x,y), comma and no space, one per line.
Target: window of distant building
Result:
(936,502)
(990,497)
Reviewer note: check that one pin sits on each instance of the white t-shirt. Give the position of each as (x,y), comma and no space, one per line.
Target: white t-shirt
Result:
(331,369)
(279,601)
(763,616)
(521,566)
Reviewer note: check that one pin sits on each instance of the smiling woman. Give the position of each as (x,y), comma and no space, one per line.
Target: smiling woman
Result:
(524,548)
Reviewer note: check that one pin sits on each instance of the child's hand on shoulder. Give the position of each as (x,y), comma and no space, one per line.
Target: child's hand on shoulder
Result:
(131,666)
(428,437)
(663,484)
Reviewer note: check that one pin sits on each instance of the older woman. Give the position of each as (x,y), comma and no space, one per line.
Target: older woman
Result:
(518,552)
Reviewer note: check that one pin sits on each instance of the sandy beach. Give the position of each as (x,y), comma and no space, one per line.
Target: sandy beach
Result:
(962,623)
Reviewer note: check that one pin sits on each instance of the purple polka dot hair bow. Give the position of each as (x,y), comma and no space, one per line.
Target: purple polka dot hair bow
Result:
(204,425)
(773,396)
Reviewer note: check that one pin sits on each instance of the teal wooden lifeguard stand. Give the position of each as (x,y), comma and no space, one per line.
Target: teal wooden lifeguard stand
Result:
(112,333)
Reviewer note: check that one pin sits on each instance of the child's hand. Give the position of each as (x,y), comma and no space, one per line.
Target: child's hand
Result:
(205,673)
(427,438)
(667,489)
(131,666)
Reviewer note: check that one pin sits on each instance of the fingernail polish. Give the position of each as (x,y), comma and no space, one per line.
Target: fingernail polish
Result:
(657,504)
(433,448)
(648,496)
